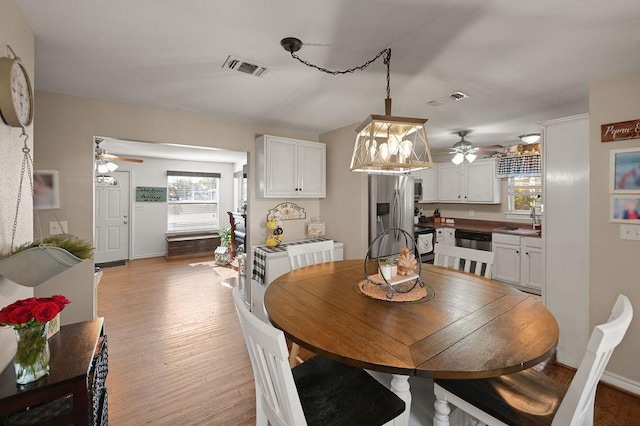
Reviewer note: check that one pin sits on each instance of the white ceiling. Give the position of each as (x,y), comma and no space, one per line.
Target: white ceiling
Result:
(521,62)
(137,149)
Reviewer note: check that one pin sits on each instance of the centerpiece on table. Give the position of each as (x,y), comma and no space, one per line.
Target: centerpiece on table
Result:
(30,321)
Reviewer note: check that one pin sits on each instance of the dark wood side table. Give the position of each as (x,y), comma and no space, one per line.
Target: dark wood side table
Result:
(74,392)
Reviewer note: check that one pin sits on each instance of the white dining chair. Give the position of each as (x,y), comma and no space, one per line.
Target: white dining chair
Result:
(306,255)
(318,392)
(310,254)
(532,398)
(452,257)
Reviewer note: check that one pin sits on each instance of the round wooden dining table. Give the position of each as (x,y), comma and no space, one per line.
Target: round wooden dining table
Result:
(472,327)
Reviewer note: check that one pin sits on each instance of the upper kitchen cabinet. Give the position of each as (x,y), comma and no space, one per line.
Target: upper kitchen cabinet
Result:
(429,179)
(469,183)
(290,168)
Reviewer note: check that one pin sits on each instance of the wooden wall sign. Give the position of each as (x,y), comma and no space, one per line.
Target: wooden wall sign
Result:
(151,193)
(620,131)
(287,211)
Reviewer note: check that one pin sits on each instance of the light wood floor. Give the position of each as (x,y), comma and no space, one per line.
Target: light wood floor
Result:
(177,356)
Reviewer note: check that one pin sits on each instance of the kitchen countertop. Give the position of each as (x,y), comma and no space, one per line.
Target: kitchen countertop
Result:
(486,226)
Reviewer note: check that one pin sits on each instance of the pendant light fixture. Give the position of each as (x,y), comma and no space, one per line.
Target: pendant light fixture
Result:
(384,143)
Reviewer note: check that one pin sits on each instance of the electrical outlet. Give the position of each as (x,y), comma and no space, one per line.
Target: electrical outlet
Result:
(57,228)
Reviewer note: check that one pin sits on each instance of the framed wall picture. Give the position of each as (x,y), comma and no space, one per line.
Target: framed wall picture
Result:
(624,171)
(46,193)
(625,208)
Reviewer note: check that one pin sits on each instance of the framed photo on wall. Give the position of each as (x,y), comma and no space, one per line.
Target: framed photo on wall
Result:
(625,208)
(624,169)
(46,194)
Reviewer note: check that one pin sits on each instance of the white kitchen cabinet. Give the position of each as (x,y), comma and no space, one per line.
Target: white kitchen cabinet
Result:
(429,178)
(518,260)
(531,264)
(468,183)
(446,236)
(506,264)
(290,168)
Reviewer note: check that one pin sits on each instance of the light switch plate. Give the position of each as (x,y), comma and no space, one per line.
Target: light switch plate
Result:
(57,228)
(630,232)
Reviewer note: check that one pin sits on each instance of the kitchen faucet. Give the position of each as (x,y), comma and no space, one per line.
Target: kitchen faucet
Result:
(533,217)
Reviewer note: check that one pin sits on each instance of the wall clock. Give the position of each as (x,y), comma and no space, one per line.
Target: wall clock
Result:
(16,97)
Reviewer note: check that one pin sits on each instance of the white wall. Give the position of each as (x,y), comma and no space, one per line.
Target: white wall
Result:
(14,31)
(149,225)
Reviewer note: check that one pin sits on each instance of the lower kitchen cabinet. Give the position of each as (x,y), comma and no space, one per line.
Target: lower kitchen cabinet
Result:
(446,236)
(518,261)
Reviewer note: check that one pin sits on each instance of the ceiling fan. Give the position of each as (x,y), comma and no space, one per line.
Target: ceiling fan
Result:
(463,149)
(104,162)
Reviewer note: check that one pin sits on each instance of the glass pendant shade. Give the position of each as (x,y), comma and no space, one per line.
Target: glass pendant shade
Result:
(470,157)
(458,158)
(399,145)
(106,167)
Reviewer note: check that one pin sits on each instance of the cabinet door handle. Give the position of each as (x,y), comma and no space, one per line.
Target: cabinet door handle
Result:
(517,251)
(527,253)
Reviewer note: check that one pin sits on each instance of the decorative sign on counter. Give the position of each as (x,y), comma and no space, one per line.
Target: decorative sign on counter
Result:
(620,131)
(151,193)
(287,211)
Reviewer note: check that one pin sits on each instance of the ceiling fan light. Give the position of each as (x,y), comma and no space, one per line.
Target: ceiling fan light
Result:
(530,138)
(470,157)
(102,168)
(112,166)
(458,158)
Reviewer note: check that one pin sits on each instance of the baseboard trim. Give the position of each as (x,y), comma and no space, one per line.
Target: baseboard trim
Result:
(621,383)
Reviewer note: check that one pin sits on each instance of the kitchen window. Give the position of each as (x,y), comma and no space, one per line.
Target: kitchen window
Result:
(193,201)
(523,192)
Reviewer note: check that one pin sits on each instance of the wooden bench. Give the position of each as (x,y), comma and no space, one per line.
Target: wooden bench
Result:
(192,244)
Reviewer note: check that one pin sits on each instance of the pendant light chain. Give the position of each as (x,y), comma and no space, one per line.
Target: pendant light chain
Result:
(387,61)
(27,162)
(350,70)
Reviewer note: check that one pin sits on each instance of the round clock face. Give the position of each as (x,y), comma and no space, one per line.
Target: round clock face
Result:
(16,98)
(21,94)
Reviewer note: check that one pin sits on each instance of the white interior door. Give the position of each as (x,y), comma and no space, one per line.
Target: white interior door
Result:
(111,236)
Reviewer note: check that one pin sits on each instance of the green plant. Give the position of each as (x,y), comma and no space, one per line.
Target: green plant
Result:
(225,237)
(80,248)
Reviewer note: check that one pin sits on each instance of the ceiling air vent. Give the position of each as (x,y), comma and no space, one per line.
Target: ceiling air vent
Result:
(244,66)
(455,96)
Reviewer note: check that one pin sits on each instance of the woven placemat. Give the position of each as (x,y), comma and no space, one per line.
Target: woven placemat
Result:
(402,293)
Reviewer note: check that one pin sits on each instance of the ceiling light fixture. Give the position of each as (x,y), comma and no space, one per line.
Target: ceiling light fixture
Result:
(102,166)
(463,149)
(384,143)
(530,138)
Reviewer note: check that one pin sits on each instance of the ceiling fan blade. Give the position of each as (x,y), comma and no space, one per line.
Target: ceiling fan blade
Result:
(130,160)
(111,157)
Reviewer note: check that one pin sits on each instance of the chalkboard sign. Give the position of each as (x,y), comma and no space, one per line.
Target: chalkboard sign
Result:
(151,193)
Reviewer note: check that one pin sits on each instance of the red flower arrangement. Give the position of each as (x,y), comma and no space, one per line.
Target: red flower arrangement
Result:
(32,311)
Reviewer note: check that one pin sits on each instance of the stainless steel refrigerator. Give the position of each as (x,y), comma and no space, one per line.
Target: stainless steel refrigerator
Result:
(391,205)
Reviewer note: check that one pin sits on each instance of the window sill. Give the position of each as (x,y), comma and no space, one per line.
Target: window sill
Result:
(521,216)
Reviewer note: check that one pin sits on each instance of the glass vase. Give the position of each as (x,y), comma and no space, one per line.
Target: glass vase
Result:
(32,356)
